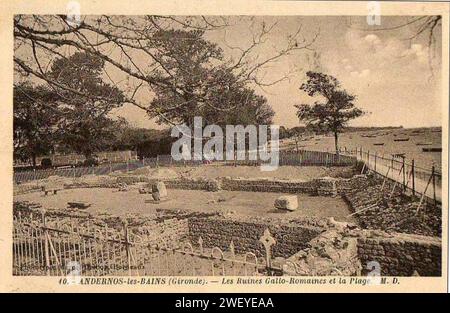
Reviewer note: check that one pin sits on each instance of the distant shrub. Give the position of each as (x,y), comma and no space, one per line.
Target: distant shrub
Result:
(46,163)
(90,162)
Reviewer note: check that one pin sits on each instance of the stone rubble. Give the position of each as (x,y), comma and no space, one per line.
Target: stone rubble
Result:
(289,203)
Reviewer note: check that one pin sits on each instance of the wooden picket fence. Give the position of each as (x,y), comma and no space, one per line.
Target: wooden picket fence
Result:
(43,248)
(424,182)
(300,158)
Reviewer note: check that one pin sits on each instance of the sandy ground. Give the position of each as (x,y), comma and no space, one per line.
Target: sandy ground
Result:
(304,173)
(105,200)
(351,140)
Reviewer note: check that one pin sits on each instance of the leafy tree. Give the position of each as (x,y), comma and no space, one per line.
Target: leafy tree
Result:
(86,135)
(335,109)
(214,93)
(169,56)
(35,121)
(86,127)
(131,138)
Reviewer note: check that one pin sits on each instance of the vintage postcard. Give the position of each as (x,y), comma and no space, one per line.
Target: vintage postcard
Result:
(224,146)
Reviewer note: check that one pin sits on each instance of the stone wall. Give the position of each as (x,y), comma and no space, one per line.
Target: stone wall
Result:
(377,207)
(268,185)
(25,188)
(402,254)
(321,186)
(357,182)
(168,233)
(219,232)
(186,184)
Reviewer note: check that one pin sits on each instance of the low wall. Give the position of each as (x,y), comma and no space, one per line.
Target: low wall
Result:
(169,233)
(186,184)
(321,186)
(219,232)
(357,182)
(21,189)
(268,185)
(398,254)
(402,255)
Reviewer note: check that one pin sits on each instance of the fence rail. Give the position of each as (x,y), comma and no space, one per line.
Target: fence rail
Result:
(405,173)
(42,247)
(301,158)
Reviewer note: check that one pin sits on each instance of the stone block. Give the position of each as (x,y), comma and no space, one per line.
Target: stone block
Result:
(159,188)
(289,203)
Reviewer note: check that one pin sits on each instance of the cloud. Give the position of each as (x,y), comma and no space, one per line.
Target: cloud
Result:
(372,39)
(389,75)
(348,67)
(418,51)
(370,53)
(363,73)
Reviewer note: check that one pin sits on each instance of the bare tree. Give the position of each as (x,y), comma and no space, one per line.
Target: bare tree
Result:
(135,49)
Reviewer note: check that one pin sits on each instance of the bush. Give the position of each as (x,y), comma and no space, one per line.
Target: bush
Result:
(46,163)
(90,162)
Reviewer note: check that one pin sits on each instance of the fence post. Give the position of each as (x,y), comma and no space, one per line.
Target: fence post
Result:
(375,165)
(404,173)
(434,184)
(157,159)
(127,244)
(46,250)
(413,178)
(127,166)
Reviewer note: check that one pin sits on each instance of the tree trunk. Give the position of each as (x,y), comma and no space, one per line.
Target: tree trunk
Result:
(33,159)
(336,142)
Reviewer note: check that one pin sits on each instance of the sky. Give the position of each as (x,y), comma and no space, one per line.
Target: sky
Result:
(387,70)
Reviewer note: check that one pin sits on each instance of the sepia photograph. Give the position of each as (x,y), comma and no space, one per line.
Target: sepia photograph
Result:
(243,149)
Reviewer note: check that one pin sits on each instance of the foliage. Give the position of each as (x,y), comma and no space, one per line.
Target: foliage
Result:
(214,93)
(46,163)
(35,121)
(169,56)
(86,127)
(335,112)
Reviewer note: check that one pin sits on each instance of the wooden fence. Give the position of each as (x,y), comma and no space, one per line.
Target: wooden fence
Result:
(48,248)
(301,158)
(425,182)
